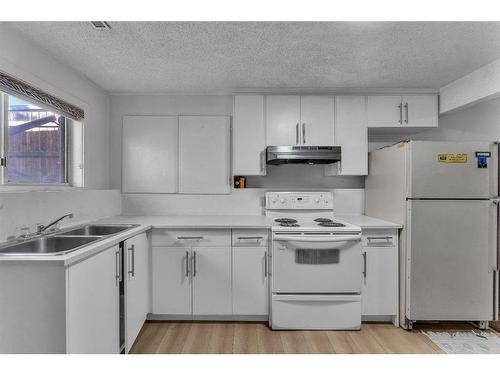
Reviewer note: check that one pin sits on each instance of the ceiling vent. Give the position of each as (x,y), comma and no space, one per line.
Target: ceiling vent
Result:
(100,25)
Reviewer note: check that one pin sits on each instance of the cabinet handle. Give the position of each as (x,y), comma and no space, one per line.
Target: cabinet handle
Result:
(265,264)
(364,264)
(297,134)
(406,110)
(117,267)
(387,238)
(256,238)
(187,263)
(190,238)
(304,133)
(131,271)
(194,263)
(400,106)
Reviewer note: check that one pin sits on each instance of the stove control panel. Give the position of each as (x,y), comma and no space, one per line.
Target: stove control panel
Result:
(299,201)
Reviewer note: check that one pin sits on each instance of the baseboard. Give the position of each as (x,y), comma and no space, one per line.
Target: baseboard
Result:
(218,318)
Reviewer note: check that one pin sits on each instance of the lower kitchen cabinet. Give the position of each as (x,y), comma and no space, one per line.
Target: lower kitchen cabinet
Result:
(171,280)
(211,280)
(250,281)
(380,275)
(137,286)
(93,315)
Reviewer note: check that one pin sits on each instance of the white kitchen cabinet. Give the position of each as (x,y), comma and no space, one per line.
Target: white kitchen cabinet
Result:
(351,134)
(379,292)
(204,149)
(250,281)
(137,286)
(149,154)
(317,114)
(420,110)
(402,111)
(282,120)
(249,135)
(93,315)
(212,281)
(300,120)
(171,280)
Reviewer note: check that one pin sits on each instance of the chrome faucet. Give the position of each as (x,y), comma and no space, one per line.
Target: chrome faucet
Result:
(42,228)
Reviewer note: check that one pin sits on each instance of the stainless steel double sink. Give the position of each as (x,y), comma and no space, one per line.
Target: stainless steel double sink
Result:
(63,241)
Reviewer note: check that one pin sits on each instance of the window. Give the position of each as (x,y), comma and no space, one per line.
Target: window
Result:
(35,143)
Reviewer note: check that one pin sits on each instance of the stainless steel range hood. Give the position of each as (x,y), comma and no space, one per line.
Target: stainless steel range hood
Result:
(302,154)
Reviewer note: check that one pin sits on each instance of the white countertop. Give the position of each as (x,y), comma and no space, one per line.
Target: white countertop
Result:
(179,221)
(368,222)
(194,221)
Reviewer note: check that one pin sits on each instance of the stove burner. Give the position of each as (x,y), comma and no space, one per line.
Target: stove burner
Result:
(285,224)
(323,220)
(331,224)
(285,220)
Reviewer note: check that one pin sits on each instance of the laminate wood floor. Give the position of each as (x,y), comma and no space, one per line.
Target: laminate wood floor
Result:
(166,337)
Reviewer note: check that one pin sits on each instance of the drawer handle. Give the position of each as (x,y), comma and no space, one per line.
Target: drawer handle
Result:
(257,238)
(190,238)
(386,238)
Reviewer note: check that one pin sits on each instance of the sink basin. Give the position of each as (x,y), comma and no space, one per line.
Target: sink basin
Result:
(99,229)
(48,245)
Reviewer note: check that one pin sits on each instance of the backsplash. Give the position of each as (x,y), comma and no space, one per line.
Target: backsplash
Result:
(239,202)
(26,209)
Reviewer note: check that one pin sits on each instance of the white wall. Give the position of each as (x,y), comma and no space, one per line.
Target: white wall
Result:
(240,202)
(480,122)
(20,209)
(30,63)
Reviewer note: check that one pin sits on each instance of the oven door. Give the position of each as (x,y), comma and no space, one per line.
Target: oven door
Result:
(316,263)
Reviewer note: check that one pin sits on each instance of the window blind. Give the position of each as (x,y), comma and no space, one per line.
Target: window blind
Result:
(22,89)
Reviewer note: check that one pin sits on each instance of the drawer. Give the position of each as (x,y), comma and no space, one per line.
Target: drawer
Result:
(380,238)
(191,237)
(250,237)
(323,312)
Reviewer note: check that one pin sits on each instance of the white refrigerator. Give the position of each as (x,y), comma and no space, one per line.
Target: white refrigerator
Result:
(445,194)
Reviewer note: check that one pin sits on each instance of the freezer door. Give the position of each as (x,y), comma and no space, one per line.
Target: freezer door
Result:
(450,260)
(451,170)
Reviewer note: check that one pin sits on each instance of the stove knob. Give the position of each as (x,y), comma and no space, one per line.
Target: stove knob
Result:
(282,200)
(274,200)
(317,200)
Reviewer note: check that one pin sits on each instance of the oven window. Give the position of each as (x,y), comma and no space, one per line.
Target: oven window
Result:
(317,256)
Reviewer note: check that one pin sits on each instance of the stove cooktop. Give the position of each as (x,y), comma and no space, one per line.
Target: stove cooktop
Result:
(312,223)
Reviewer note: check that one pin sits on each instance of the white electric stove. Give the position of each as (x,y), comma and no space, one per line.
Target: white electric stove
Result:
(316,264)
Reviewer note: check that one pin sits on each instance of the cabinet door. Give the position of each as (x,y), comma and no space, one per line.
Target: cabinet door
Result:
(204,154)
(250,275)
(171,280)
(93,304)
(283,120)
(212,281)
(379,292)
(137,291)
(420,110)
(249,135)
(384,111)
(351,134)
(149,154)
(317,120)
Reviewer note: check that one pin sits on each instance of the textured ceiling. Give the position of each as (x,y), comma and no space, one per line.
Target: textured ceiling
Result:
(225,56)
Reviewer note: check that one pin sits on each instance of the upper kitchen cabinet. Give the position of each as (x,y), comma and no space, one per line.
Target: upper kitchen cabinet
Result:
(402,111)
(352,135)
(283,120)
(249,135)
(300,120)
(317,114)
(149,154)
(204,154)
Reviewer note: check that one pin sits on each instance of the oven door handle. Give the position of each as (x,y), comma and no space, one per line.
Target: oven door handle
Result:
(324,239)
